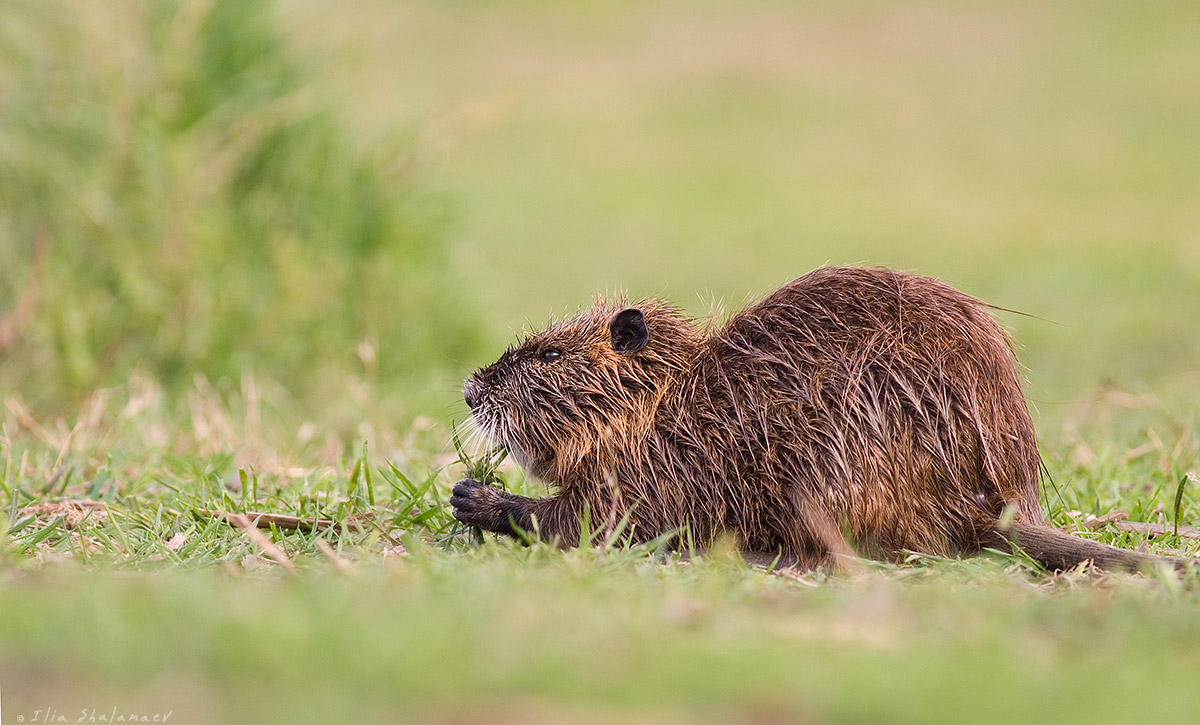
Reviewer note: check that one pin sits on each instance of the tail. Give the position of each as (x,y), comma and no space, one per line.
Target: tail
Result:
(1057,550)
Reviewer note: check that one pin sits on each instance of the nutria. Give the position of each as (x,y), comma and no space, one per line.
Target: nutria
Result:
(854,409)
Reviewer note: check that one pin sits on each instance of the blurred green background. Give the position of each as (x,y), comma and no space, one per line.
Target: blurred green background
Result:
(383,193)
(249,249)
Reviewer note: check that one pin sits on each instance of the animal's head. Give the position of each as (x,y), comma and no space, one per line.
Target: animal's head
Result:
(585,389)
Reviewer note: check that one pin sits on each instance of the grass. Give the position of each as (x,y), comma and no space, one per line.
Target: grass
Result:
(534,635)
(281,333)
(149,603)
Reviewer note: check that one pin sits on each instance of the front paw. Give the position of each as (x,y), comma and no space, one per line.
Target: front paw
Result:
(480,504)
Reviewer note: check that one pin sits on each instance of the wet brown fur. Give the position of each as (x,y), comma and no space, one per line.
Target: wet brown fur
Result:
(853,409)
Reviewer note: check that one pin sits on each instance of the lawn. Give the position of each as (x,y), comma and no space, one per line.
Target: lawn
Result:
(274,238)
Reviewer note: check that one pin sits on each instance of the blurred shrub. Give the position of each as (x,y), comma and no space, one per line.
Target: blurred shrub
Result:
(202,210)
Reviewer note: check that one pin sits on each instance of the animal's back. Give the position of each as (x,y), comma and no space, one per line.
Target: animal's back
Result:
(882,403)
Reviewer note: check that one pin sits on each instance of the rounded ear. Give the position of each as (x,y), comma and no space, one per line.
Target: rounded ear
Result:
(629,333)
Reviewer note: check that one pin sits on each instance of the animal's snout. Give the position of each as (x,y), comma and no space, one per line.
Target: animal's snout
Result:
(472,393)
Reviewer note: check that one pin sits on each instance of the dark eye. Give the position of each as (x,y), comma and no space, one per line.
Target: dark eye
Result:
(550,354)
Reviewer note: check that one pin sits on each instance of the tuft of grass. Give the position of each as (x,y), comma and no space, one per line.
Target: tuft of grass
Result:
(484,468)
(179,200)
